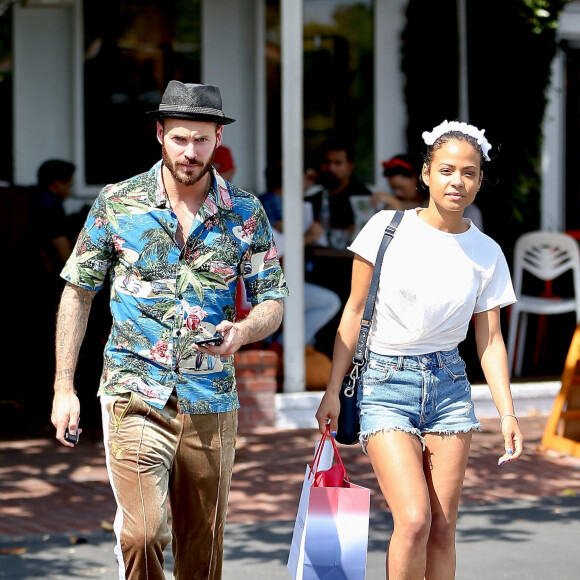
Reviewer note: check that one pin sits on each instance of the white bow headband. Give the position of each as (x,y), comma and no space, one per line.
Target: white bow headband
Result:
(470,130)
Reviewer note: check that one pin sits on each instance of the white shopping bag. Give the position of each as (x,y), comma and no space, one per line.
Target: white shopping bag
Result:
(323,458)
(331,531)
(336,539)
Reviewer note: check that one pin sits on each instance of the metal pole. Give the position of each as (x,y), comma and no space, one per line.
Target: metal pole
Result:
(292,186)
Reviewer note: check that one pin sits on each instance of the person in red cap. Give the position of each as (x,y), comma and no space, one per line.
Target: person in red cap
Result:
(224,162)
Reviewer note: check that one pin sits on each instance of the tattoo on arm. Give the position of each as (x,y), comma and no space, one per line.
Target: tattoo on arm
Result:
(64,374)
(71,324)
(263,320)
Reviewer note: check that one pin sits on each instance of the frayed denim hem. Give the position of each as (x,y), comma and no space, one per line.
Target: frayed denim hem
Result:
(366,435)
(474,427)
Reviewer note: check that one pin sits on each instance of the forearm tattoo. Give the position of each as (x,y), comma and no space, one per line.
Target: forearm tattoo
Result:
(71,324)
(64,374)
(263,320)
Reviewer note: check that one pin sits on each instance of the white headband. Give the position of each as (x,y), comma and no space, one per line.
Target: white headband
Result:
(470,130)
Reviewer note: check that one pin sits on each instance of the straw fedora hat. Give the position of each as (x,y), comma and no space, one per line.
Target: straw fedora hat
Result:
(192,102)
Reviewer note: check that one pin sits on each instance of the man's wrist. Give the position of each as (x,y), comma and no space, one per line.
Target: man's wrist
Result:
(64,375)
(63,381)
(64,390)
(244,331)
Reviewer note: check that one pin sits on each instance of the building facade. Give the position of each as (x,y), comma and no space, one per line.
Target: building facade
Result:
(78,76)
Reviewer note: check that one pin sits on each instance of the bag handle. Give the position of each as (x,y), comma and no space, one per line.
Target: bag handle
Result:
(338,457)
(318,454)
(367,318)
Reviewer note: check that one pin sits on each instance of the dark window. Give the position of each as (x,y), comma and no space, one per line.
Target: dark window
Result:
(133,48)
(338,78)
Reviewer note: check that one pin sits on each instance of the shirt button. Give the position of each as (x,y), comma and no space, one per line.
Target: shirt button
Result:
(180,296)
(178,333)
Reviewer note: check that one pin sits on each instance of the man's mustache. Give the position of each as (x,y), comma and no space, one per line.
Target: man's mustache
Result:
(190,162)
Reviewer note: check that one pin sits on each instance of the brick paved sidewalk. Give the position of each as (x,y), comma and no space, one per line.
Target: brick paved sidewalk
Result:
(47,488)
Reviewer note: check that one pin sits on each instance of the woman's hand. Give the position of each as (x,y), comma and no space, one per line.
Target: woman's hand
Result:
(514,441)
(328,411)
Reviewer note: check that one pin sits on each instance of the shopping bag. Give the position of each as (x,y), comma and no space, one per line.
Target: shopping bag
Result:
(323,456)
(332,526)
(336,538)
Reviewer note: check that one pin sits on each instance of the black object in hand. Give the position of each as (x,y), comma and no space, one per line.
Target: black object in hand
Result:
(70,437)
(214,340)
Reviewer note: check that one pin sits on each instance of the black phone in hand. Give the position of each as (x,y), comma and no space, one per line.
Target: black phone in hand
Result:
(70,437)
(214,340)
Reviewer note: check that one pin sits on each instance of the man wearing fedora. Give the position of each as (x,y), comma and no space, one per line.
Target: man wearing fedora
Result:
(174,240)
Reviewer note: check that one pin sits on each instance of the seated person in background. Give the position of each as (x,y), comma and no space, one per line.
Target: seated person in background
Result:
(408,190)
(403,181)
(331,203)
(321,304)
(223,161)
(49,220)
(272,202)
(272,198)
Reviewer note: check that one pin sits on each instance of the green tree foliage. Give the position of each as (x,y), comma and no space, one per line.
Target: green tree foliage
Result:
(510,46)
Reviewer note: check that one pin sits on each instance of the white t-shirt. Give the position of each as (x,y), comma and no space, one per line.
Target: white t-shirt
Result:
(431,283)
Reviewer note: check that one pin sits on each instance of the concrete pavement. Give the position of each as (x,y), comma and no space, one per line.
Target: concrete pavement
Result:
(520,521)
(512,540)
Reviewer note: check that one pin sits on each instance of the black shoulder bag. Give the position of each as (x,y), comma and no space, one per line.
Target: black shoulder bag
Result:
(348,418)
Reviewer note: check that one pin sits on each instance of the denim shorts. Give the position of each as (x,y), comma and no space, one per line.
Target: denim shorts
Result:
(421,394)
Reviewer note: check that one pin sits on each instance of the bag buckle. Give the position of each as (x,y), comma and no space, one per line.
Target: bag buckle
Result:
(353,376)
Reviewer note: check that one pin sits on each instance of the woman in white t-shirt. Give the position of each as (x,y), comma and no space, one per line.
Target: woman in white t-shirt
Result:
(417,417)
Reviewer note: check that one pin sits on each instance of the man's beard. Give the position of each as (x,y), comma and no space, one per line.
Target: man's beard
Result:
(187,176)
(329,180)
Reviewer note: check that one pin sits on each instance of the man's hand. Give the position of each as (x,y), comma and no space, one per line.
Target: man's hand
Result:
(234,338)
(263,320)
(65,413)
(314,233)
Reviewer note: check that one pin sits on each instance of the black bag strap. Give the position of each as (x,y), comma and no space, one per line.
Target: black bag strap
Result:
(367,318)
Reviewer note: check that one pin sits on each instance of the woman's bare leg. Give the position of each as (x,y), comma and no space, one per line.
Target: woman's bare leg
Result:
(397,460)
(445,460)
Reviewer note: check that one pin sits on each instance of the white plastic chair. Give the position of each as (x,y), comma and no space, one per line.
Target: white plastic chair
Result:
(545,255)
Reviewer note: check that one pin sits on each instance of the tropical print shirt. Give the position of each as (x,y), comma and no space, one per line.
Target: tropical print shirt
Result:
(164,296)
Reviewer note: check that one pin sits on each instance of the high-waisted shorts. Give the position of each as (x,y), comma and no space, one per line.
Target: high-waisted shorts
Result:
(429,393)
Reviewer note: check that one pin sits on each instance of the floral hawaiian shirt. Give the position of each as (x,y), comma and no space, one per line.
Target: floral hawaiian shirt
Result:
(164,296)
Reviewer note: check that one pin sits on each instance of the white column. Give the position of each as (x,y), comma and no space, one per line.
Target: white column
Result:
(261,95)
(553,199)
(228,60)
(389,100)
(42,88)
(292,184)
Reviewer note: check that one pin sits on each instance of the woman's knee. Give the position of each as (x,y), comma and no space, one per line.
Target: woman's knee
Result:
(442,533)
(415,525)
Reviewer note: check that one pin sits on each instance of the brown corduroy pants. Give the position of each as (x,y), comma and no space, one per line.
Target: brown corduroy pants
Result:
(154,455)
